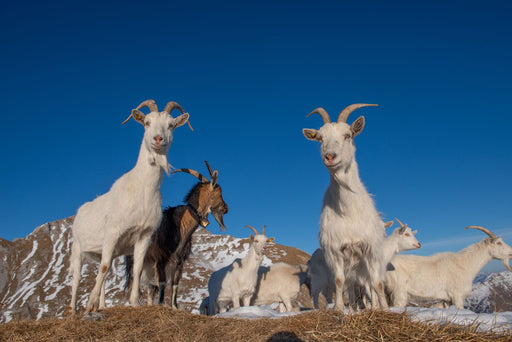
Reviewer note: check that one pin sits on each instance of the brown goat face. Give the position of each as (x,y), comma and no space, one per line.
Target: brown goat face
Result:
(218,207)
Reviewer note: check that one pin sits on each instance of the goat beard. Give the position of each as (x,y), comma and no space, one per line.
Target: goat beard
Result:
(506,263)
(161,160)
(220,220)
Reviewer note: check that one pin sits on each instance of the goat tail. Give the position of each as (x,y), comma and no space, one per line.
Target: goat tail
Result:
(128,271)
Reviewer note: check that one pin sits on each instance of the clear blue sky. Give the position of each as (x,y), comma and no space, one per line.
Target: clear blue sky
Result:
(435,153)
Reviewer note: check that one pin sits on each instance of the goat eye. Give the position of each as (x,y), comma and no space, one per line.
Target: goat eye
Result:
(499,243)
(407,234)
(347,136)
(147,123)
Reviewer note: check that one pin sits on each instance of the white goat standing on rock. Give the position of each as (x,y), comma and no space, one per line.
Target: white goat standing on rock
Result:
(446,277)
(237,282)
(350,226)
(121,221)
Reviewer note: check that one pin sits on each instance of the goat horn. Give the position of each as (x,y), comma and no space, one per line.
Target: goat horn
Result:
(348,110)
(322,113)
(253,229)
(485,230)
(400,223)
(148,103)
(263,230)
(194,173)
(171,105)
(209,168)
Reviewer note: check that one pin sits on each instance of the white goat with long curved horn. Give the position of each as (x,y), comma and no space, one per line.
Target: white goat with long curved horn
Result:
(350,226)
(121,221)
(446,277)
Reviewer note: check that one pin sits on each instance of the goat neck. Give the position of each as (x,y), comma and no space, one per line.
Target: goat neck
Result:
(253,259)
(476,256)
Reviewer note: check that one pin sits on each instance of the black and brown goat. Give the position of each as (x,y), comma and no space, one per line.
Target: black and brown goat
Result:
(171,243)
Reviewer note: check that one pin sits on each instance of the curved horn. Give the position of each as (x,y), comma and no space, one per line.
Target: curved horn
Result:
(400,223)
(194,173)
(348,110)
(209,168)
(263,231)
(148,103)
(253,229)
(322,113)
(485,230)
(171,105)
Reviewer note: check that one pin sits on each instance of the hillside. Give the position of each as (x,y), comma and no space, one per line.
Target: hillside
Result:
(35,284)
(157,323)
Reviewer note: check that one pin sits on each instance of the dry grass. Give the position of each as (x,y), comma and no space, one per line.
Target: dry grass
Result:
(158,323)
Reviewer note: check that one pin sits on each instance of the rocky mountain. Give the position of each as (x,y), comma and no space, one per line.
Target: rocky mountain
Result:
(34,282)
(34,279)
(492,294)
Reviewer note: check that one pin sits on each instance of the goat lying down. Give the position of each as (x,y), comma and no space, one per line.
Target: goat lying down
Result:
(236,283)
(446,277)
(279,283)
(171,243)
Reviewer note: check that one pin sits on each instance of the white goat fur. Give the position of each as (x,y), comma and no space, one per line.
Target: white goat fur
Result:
(402,239)
(279,283)
(237,282)
(121,221)
(350,227)
(445,276)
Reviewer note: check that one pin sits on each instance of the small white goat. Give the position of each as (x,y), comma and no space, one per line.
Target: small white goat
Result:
(402,239)
(121,221)
(445,276)
(350,227)
(237,282)
(279,283)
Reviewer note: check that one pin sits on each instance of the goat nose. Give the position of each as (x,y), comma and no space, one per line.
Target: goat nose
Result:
(158,139)
(330,156)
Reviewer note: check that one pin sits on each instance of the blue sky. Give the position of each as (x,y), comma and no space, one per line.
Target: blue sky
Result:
(435,153)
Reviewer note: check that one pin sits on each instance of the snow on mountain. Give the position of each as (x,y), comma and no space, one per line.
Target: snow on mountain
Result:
(492,294)
(34,282)
(34,279)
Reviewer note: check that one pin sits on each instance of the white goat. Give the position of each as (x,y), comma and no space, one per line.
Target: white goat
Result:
(121,221)
(402,239)
(350,227)
(237,282)
(445,276)
(279,283)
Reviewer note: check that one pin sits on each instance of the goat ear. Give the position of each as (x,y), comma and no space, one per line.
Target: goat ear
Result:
(271,239)
(357,126)
(181,120)
(311,134)
(414,232)
(388,224)
(215,177)
(138,116)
